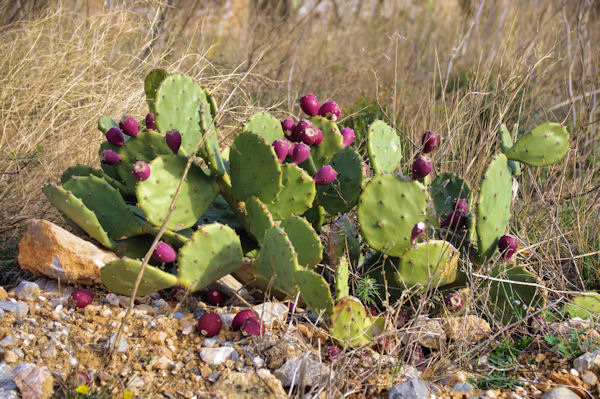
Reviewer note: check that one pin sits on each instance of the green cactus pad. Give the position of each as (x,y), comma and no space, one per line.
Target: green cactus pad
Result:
(388,209)
(513,301)
(332,142)
(277,260)
(214,251)
(343,241)
(544,145)
(156,193)
(585,305)
(119,277)
(446,188)
(255,169)
(315,215)
(178,101)
(506,144)
(351,326)
(108,205)
(383,146)
(315,291)
(435,260)
(105,123)
(135,248)
(75,210)
(342,274)
(259,218)
(220,211)
(210,150)
(151,85)
(493,206)
(297,195)
(341,195)
(264,125)
(305,240)
(85,170)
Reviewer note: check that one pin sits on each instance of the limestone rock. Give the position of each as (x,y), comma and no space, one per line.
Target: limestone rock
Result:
(560,393)
(588,361)
(468,328)
(269,312)
(427,332)
(314,372)
(249,386)
(413,388)
(34,382)
(27,290)
(216,356)
(49,250)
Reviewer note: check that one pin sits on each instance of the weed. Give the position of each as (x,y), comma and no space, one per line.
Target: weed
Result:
(496,380)
(366,290)
(576,344)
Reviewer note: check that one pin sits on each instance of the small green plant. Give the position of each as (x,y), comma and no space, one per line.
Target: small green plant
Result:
(496,380)
(506,354)
(366,290)
(576,344)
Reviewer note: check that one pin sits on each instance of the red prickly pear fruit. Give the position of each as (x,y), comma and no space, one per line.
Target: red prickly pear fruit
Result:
(214,297)
(252,326)
(508,246)
(288,126)
(109,157)
(325,175)
(290,148)
(331,352)
(453,302)
(306,133)
(318,137)
(164,253)
(82,297)
(309,104)
(462,205)
(150,122)
(298,132)
(209,324)
(173,139)
(421,168)
(241,317)
(348,135)
(301,153)
(129,126)
(78,378)
(417,232)
(330,110)
(115,136)
(140,170)
(281,148)
(455,220)
(429,141)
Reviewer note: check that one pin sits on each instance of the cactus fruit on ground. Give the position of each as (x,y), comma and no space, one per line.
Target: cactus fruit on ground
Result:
(309,104)
(259,218)
(383,145)
(297,194)
(264,125)
(506,144)
(239,318)
(82,297)
(214,297)
(342,194)
(315,291)
(210,324)
(543,145)
(350,324)
(252,326)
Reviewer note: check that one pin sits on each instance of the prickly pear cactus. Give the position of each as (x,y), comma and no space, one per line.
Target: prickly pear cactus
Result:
(297,194)
(315,291)
(119,276)
(506,144)
(264,125)
(431,263)
(383,145)
(445,189)
(544,145)
(350,324)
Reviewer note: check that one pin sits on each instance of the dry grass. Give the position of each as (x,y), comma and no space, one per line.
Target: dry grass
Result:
(430,65)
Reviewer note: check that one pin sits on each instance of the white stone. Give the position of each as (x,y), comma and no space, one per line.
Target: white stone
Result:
(269,312)
(20,309)
(587,361)
(216,356)
(314,372)
(27,290)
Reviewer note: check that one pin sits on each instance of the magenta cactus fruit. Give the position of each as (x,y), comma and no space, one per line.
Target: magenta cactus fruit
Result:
(348,135)
(109,157)
(330,110)
(129,126)
(429,141)
(140,170)
(78,378)
(331,352)
(288,126)
(309,104)
(241,317)
(173,139)
(453,302)
(209,324)
(290,148)
(455,220)
(291,307)
(305,132)
(421,167)
(508,246)
(325,175)
(82,297)
(150,122)
(115,136)
(318,137)
(462,205)
(281,148)
(417,232)
(301,153)
(252,326)
(215,297)
(164,253)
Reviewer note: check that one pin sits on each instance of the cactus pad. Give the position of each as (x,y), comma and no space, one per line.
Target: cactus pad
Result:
(435,260)
(220,211)
(278,261)
(151,85)
(264,125)
(332,141)
(342,194)
(446,188)
(105,123)
(343,241)
(493,206)
(350,324)
(388,209)
(210,150)
(383,145)
(586,305)
(297,195)
(513,301)
(156,193)
(119,277)
(255,169)
(315,215)
(306,242)
(214,251)
(259,218)
(85,170)
(342,274)
(544,145)
(506,144)
(315,291)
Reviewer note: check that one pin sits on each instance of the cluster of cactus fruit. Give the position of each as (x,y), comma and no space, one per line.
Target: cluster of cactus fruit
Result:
(255,209)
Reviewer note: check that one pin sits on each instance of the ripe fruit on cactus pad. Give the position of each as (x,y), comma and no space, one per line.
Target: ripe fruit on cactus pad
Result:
(82,297)
(348,135)
(325,175)
(150,125)
(462,205)
(214,297)
(252,326)
(241,317)
(164,253)
(305,132)
(140,171)
(288,126)
(330,110)
(508,246)
(281,148)
(417,232)
(453,302)
(429,141)
(309,104)
(173,138)
(301,153)
(318,137)
(129,126)
(115,136)
(109,157)
(455,220)
(209,324)
(421,168)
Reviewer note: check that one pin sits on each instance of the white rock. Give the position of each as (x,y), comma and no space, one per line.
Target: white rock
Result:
(560,393)
(27,290)
(269,312)
(314,372)
(123,344)
(216,356)
(413,388)
(9,340)
(587,361)
(20,309)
